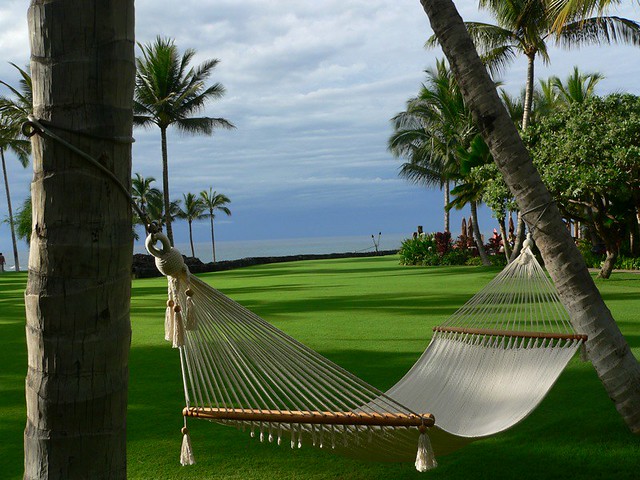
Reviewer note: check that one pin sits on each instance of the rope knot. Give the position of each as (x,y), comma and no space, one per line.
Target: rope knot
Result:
(169,261)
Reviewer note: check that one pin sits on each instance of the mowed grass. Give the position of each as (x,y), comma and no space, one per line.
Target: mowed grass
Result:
(370,315)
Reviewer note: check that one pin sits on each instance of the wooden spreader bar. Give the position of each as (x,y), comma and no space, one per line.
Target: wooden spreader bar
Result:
(511,333)
(311,417)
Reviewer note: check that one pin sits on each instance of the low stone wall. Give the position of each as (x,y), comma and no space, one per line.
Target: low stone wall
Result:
(144,265)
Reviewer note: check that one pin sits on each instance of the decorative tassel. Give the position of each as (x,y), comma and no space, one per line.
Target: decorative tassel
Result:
(178,327)
(168,321)
(186,454)
(190,314)
(425,459)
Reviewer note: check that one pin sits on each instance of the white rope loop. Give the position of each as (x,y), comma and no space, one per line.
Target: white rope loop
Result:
(169,261)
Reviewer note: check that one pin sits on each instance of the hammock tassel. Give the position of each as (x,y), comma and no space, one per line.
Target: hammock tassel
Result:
(178,328)
(168,321)
(425,459)
(186,454)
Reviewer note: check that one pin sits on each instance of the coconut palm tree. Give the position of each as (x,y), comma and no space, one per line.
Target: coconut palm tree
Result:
(13,112)
(169,92)
(79,286)
(214,201)
(607,349)
(193,210)
(578,86)
(429,131)
(141,190)
(525,27)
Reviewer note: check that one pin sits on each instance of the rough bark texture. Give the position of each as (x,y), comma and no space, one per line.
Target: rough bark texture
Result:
(10,211)
(505,242)
(78,291)
(607,349)
(520,236)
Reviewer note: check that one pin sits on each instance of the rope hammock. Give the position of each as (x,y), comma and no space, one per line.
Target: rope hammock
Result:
(485,369)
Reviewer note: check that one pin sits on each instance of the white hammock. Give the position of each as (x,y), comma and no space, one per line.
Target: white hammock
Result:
(485,369)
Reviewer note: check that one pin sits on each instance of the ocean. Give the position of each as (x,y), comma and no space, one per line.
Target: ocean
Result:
(232,250)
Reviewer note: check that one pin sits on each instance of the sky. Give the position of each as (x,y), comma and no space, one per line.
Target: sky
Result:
(311,88)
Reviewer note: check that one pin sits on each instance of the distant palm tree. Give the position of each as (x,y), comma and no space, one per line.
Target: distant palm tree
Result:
(169,92)
(193,210)
(13,112)
(213,201)
(578,87)
(429,131)
(141,190)
(155,208)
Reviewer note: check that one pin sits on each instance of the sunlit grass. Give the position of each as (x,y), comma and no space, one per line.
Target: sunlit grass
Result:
(371,316)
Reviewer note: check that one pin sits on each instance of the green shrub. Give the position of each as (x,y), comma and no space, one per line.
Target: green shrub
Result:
(627,263)
(454,257)
(418,251)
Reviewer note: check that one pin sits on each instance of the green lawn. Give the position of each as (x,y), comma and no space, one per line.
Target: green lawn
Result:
(371,316)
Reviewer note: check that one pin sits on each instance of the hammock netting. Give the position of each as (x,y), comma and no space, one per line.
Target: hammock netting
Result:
(484,370)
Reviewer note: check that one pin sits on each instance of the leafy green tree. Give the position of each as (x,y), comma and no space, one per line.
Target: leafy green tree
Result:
(430,130)
(193,210)
(13,112)
(588,157)
(212,202)
(23,221)
(169,92)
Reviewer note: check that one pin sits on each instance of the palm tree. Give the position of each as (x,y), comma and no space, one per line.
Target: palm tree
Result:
(141,190)
(169,92)
(578,87)
(79,287)
(213,201)
(193,210)
(470,189)
(429,131)
(607,349)
(524,27)
(13,112)
(155,208)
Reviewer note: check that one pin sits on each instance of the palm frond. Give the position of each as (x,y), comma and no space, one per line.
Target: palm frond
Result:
(600,30)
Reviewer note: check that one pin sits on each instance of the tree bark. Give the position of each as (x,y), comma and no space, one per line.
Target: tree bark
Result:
(521,229)
(528,96)
(607,349)
(78,292)
(165,185)
(477,236)
(11,224)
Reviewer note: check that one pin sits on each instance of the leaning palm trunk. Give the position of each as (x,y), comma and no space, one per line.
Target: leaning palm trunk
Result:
(78,291)
(607,349)
(10,211)
(477,236)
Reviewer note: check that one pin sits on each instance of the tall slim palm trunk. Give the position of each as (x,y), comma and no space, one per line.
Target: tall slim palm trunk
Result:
(10,210)
(477,236)
(447,212)
(193,253)
(165,185)
(607,349)
(213,240)
(78,292)
(503,233)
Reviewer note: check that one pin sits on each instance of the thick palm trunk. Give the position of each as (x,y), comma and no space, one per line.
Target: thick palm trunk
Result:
(447,212)
(477,236)
(11,224)
(165,185)
(607,349)
(78,292)
(213,240)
